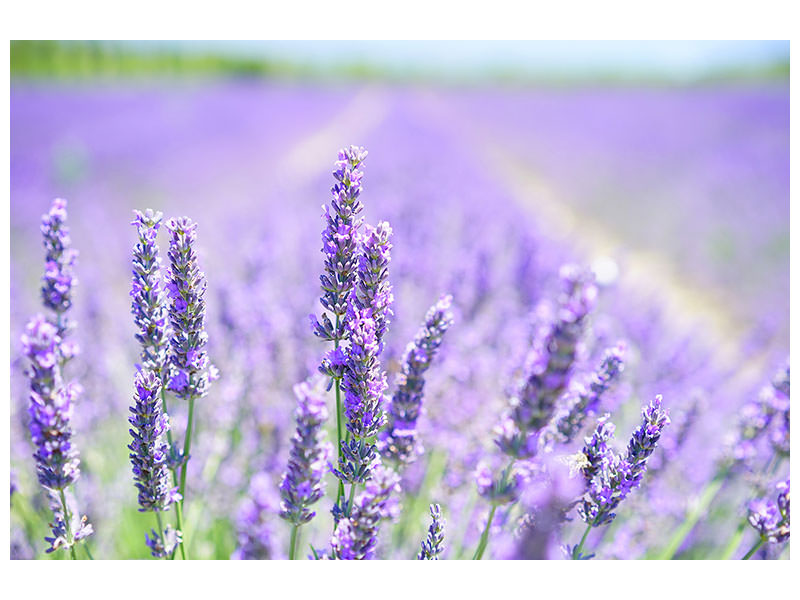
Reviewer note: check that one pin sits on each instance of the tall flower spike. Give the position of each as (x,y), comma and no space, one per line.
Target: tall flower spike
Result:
(149,451)
(399,440)
(583,400)
(149,300)
(433,545)
(191,371)
(301,485)
(59,278)
(340,243)
(610,477)
(356,535)
(373,291)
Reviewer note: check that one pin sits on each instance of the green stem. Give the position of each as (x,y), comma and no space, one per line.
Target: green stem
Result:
(694,514)
(293,542)
(735,541)
(576,552)
(752,550)
(67,520)
(178,511)
(339,424)
(485,535)
(350,500)
(89,554)
(187,445)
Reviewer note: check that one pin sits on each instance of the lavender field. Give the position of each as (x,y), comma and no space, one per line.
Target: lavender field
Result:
(554,321)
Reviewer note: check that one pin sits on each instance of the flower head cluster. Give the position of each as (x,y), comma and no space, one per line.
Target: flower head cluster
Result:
(373,291)
(433,545)
(610,478)
(765,417)
(771,518)
(149,300)
(51,407)
(356,535)
(583,400)
(340,243)
(162,546)
(301,485)
(190,369)
(549,366)
(509,486)
(59,278)
(399,440)
(149,450)
(68,529)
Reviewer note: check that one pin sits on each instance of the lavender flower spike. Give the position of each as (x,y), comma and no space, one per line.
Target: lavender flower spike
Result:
(373,291)
(356,535)
(59,278)
(583,400)
(771,518)
(340,243)
(149,451)
(433,545)
(398,441)
(50,411)
(191,371)
(610,477)
(149,300)
(301,485)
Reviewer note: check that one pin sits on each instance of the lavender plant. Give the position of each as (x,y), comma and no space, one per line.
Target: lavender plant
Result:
(51,398)
(770,518)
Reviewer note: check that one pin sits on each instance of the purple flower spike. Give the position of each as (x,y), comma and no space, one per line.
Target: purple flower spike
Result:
(610,478)
(190,369)
(374,292)
(149,299)
(149,450)
(399,440)
(340,243)
(433,545)
(59,278)
(583,400)
(302,481)
(356,535)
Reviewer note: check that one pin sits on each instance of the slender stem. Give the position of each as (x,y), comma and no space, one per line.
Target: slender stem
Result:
(187,445)
(735,541)
(576,552)
(293,542)
(160,529)
(350,500)
(339,425)
(485,535)
(178,511)
(67,524)
(89,554)
(752,550)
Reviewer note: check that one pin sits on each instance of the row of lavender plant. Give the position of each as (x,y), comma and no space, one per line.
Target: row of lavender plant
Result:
(377,437)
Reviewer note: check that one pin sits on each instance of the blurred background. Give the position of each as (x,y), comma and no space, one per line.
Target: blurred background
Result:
(663,165)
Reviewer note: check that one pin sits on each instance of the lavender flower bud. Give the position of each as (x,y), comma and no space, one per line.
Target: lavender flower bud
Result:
(149,300)
(355,536)
(301,485)
(67,529)
(191,371)
(771,518)
(644,440)
(506,488)
(340,243)
(583,400)
(433,545)
(399,440)
(59,278)
(373,291)
(149,450)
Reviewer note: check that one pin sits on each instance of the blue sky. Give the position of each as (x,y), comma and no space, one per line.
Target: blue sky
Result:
(678,59)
